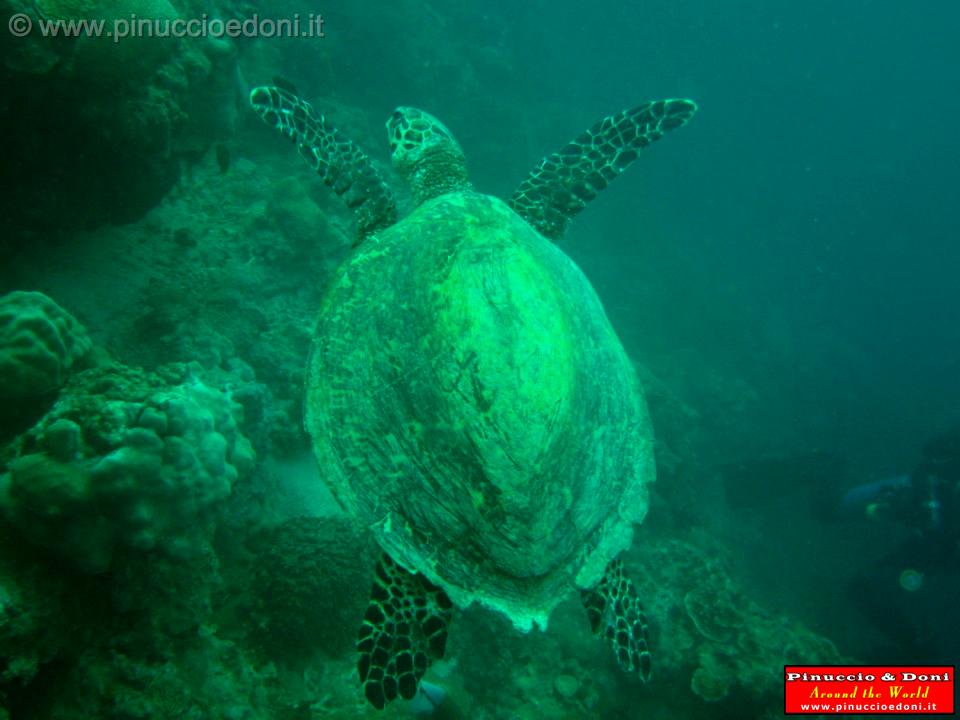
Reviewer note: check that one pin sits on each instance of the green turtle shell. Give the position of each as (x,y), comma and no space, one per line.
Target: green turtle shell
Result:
(468,400)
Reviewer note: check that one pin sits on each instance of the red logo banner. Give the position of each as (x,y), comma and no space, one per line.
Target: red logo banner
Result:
(869,689)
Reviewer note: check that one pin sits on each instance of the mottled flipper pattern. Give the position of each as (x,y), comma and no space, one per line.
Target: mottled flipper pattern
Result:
(613,607)
(563,183)
(341,164)
(403,631)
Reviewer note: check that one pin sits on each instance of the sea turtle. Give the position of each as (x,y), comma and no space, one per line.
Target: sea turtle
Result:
(466,396)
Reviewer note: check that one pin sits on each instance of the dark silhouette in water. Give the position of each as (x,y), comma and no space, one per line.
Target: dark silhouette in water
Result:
(223,157)
(904,592)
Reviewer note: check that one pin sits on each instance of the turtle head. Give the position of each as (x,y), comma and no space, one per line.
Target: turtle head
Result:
(426,154)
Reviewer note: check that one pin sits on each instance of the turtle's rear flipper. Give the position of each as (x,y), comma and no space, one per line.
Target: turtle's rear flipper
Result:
(404,630)
(613,608)
(341,164)
(563,183)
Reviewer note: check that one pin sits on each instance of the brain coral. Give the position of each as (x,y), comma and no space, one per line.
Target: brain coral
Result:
(125,459)
(312,580)
(40,343)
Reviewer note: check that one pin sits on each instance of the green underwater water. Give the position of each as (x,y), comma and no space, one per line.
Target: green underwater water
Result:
(780,272)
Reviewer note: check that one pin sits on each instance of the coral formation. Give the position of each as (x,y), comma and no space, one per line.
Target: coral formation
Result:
(125,459)
(125,56)
(312,578)
(122,477)
(32,627)
(713,633)
(131,110)
(40,343)
(138,644)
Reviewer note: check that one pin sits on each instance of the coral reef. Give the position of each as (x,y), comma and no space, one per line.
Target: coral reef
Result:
(129,112)
(135,642)
(123,477)
(40,343)
(160,657)
(713,633)
(33,628)
(128,57)
(125,458)
(312,581)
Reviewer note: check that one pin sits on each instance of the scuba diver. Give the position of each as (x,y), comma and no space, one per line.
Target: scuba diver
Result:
(908,591)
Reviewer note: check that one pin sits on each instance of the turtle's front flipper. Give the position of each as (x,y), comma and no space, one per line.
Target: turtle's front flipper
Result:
(613,607)
(563,183)
(341,164)
(405,628)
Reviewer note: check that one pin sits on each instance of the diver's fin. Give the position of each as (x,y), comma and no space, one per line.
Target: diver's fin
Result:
(341,164)
(403,631)
(613,608)
(563,183)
